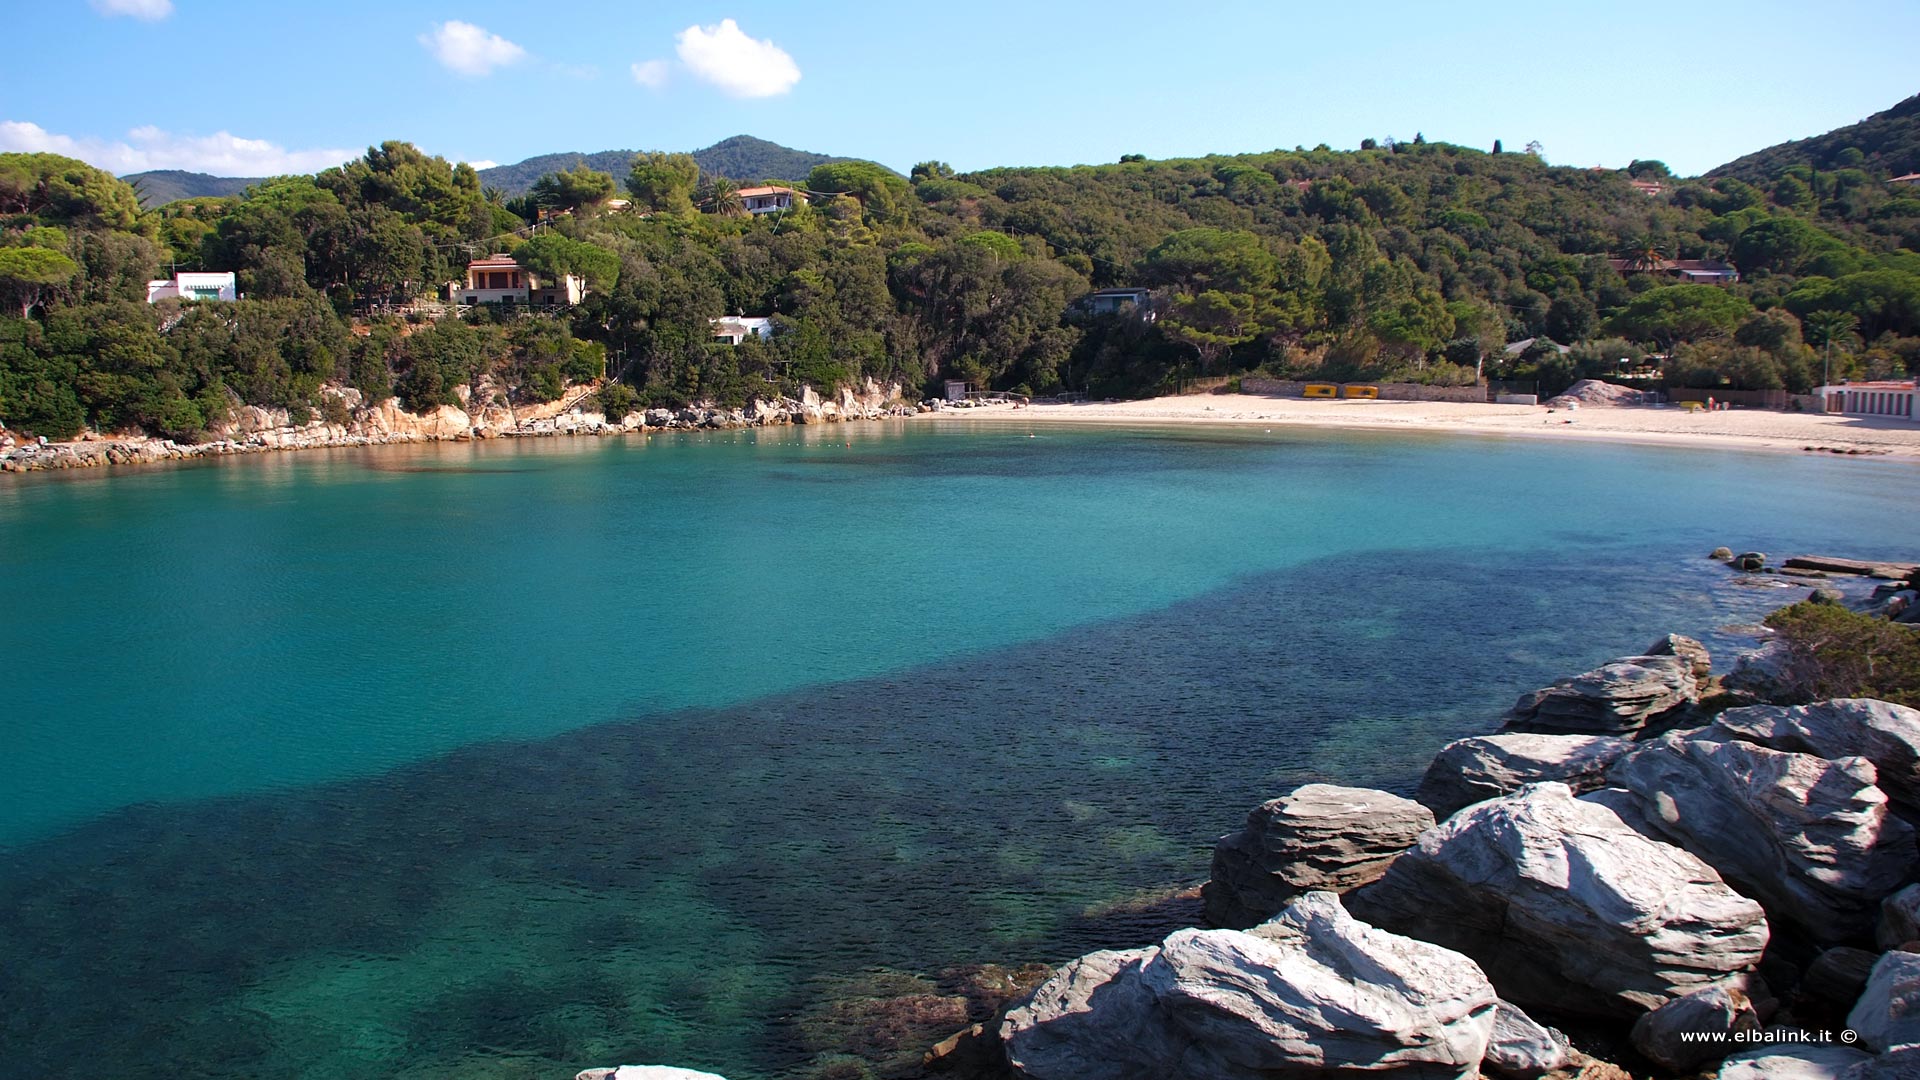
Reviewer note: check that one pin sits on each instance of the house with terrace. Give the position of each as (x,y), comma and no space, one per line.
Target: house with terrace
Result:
(499,279)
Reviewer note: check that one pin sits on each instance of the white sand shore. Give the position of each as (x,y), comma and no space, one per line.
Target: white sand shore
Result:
(1755,429)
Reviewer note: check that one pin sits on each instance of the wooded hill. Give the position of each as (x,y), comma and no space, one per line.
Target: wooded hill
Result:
(1413,261)
(1884,144)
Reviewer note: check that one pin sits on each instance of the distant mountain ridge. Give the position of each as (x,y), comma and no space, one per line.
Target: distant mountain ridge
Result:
(742,157)
(162,186)
(1888,142)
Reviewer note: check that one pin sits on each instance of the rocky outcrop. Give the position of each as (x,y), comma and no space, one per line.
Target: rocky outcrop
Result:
(1764,673)
(1313,993)
(1596,394)
(1485,767)
(1810,839)
(1888,1013)
(1619,696)
(1564,906)
(1521,1048)
(1695,1028)
(252,429)
(1884,733)
(1318,837)
(1686,648)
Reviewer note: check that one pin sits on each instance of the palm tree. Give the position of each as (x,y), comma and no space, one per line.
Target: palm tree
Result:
(1824,328)
(1645,252)
(724,198)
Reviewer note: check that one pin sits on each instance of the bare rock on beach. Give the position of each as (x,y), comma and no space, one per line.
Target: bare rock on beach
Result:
(1314,992)
(1617,697)
(1318,837)
(1810,839)
(1567,907)
(1485,767)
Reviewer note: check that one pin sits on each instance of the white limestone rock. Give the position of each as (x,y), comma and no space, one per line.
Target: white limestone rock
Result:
(1565,906)
(1884,733)
(1521,1048)
(1792,1061)
(1617,697)
(1811,839)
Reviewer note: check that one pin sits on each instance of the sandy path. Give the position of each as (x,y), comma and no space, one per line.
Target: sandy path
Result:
(1757,429)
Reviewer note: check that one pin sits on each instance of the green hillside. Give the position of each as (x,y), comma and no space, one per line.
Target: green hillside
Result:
(1884,144)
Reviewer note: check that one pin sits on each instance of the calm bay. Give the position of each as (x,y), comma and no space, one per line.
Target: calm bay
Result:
(508,759)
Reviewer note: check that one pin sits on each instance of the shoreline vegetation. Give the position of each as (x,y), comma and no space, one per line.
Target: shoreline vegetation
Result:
(260,430)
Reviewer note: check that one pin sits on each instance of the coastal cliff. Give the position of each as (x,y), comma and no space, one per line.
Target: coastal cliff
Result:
(252,429)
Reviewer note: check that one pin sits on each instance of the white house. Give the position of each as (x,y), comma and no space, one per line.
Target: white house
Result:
(768,200)
(498,279)
(734,329)
(193,286)
(1116,301)
(1874,400)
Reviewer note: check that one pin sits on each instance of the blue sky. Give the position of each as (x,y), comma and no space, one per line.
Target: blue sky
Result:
(237,87)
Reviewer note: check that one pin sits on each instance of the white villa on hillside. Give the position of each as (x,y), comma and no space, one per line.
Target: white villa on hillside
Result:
(193,286)
(768,200)
(498,279)
(734,329)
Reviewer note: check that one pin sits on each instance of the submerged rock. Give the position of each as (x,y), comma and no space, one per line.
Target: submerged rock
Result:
(1314,992)
(1810,839)
(1619,696)
(1485,767)
(1318,837)
(644,1072)
(1567,907)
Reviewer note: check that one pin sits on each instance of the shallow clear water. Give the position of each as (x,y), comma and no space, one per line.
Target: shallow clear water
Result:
(509,759)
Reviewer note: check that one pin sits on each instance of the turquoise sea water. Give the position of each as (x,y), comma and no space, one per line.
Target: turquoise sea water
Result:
(510,759)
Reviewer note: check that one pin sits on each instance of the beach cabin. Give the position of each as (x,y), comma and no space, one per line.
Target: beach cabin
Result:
(957,389)
(193,286)
(1890,400)
(499,279)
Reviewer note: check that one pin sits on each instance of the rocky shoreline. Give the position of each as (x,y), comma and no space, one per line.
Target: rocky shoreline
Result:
(1647,871)
(255,430)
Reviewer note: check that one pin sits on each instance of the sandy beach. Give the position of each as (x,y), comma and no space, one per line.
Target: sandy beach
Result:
(1750,429)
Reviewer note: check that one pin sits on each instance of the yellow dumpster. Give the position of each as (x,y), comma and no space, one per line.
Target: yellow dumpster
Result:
(1369,392)
(1317,389)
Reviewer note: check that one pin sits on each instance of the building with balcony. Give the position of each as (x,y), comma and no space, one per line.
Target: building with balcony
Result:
(193,286)
(498,279)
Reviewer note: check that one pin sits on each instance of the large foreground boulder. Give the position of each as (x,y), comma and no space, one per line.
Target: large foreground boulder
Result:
(1619,696)
(1888,1013)
(1313,993)
(1811,839)
(1884,733)
(1318,837)
(1485,767)
(1566,907)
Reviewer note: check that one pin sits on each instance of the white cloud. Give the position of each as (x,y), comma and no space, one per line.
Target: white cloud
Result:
(726,57)
(651,74)
(469,49)
(222,153)
(483,163)
(150,10)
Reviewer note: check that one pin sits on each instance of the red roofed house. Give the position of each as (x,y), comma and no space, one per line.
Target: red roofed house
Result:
(1691,271)
(498,279)
(768,200)
(1648,188)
